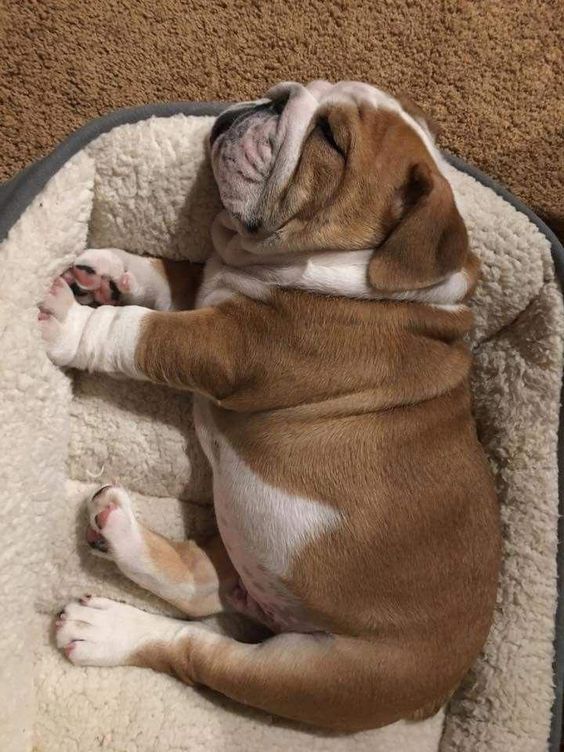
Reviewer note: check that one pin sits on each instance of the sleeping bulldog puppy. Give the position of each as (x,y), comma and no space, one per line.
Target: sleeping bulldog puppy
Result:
(325,347)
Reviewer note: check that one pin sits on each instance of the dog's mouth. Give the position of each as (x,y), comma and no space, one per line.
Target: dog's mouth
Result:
(247,151)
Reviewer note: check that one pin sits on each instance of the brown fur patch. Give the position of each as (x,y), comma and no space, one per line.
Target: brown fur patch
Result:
(366,406)
(205,568)
(183,279)
(166,657)
(339,683)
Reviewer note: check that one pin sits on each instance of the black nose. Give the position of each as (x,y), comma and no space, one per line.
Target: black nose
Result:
(229,116)
(252,226)
(223,123)
(240,112)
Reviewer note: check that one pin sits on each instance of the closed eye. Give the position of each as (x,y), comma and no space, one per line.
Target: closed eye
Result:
(324,128)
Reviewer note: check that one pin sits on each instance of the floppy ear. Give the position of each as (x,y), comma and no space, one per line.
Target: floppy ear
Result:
(428,243)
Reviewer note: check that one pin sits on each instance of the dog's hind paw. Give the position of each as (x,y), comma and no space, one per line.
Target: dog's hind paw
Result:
(102,632)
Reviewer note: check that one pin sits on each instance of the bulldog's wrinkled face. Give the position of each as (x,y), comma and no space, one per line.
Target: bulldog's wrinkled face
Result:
(289,153)
(338,167)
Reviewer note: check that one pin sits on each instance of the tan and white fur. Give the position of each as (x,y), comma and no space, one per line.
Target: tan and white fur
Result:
(325,348)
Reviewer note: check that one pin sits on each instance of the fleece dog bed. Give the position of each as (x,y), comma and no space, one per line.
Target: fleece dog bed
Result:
(139,180)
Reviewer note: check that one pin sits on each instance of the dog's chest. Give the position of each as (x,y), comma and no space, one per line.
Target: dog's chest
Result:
(262,527)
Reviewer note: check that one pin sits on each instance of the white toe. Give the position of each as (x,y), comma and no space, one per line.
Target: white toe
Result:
(62,323)
(93,602)
(103,261)
(59,299)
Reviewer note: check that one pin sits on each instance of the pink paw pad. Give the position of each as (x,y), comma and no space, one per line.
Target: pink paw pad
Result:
(85,276)
(125,282)
(97,541)
(93,536)
(107,293)
(102,517)
(90,286)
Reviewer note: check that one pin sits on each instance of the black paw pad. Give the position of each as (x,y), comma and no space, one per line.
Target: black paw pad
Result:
(85,268)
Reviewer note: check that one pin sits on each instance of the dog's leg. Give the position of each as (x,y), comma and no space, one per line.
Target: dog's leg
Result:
(191,577)
(330,681)
(110,276)
(206,350)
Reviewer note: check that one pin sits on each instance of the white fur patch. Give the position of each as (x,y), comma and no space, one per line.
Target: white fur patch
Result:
(262,524)
(263,527)
(91,339)
(342,273)
(445,293)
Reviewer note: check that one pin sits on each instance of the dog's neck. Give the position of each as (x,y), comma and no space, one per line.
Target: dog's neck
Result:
(329,272)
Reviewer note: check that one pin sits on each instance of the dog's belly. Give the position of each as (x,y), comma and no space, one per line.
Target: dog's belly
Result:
(262,528)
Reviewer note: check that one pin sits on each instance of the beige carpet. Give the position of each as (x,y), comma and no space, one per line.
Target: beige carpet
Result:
(491,72)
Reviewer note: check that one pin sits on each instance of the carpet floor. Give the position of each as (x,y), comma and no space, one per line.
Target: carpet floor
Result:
(489,71)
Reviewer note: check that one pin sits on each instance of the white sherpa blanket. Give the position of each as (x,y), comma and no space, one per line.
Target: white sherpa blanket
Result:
(146,188)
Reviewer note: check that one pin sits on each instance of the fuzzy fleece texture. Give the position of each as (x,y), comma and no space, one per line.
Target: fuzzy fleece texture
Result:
(147,188)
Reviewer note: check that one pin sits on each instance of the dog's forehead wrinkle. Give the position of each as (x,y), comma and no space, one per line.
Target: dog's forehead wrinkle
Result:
(358,94)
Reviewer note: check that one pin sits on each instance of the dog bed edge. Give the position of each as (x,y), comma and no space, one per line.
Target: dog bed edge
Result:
(18,193)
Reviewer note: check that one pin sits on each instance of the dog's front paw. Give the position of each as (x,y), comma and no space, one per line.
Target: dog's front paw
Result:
(101,632)
(99,277)
(62,322)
